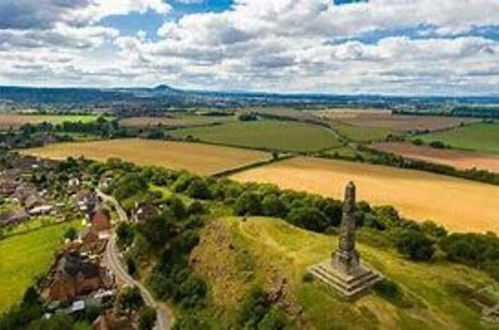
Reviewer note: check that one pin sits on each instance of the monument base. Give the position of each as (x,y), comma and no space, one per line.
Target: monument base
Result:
(346,284)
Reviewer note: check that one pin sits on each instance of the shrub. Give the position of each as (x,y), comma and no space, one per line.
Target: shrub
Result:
(248,204)
(130,298)
(415,245)
(253,308)
(308,218)
(196,208)
(71,234)
(199,189)
(191,292)
(147,318)
(272,206)
(125,234)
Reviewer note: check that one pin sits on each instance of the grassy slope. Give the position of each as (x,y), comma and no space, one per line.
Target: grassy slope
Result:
(267,134)
(25,256)
(271,249)
(480,137)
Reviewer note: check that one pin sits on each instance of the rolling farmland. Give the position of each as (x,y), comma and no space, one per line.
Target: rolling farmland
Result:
(266,134)
(459,205)
(174,121)
(482,137)
(197,158)
(400,123)
(459,159)
(13,120)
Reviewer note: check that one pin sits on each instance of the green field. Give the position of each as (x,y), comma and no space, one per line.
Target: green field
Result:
(360,134)
(482,137)
(266,134)
(261,250)
(23,257)
(15,120)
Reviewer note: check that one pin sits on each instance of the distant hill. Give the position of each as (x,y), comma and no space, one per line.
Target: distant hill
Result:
(165,95)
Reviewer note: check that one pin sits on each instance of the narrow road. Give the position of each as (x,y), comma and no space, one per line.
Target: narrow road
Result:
(112,255)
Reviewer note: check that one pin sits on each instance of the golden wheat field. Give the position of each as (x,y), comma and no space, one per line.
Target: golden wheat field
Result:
(197,158)
(460,205)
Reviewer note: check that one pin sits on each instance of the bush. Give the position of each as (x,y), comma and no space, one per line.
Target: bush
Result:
(196,208)
(248,204)
(437,145)
(272,206)
(191,292)
(130,298)
(147,318)
(254,307)
(191,322)
(415,245)
(199,189)
(125,234)
(307,277)
(308,218)
(71,234)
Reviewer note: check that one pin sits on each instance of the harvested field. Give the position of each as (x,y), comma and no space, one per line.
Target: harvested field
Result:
(400,123)
(460,205)
(459,159)
(286,113)
(174,122)
(14,120)
(197,158)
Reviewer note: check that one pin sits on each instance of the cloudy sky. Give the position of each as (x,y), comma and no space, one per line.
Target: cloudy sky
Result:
(412,47)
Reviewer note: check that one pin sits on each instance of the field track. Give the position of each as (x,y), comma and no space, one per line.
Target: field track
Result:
(459,159)
(197,158)
(460,205)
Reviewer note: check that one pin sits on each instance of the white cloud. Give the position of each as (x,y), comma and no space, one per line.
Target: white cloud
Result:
(287,45)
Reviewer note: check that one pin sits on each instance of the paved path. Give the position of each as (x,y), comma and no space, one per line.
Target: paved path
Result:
(116,264)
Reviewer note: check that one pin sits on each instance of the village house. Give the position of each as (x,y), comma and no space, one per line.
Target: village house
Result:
(74,276)
(100,221)
(14,217)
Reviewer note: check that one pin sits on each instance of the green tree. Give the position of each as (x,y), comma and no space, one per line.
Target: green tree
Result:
(273,206)
(147,318)
(415,245)
(130,299)
(248,204)
(309,218)
(125,234)
(71,234)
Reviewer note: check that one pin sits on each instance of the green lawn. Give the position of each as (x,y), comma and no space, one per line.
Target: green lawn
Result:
(482,137)
(272,249)
(23,257)
(266,134)
(360,134)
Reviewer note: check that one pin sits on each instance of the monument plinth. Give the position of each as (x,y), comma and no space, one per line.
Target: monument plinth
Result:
(345,272)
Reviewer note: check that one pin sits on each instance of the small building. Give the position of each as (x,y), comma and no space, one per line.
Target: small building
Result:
(41,210)
(74,276)
(14,217)
(100,221)
(144,211)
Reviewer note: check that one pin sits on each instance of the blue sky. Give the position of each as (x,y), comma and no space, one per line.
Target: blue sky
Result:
(423,47)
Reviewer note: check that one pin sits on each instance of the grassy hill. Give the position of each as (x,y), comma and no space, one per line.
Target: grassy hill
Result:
(480,137)
(266,134)
(234,255)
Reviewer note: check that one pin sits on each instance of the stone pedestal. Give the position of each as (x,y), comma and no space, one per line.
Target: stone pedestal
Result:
(345,272)
(346,284)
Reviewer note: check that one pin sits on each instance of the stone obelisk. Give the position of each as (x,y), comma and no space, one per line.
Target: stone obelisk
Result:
(345,272)
(346,258)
